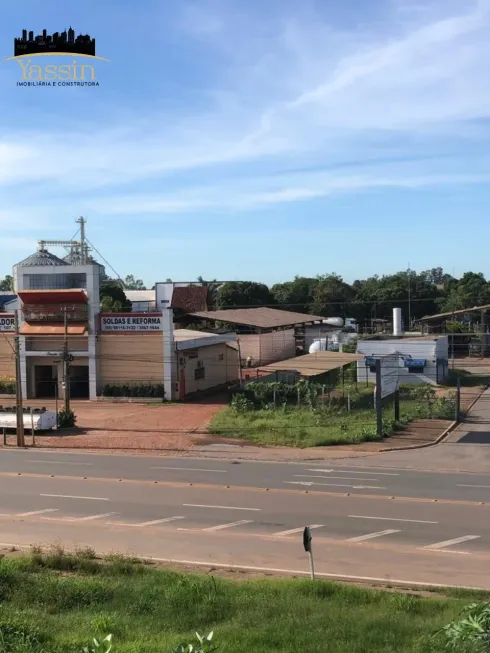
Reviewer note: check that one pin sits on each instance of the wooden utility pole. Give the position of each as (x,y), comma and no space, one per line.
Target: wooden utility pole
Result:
(66,362)
(18,387)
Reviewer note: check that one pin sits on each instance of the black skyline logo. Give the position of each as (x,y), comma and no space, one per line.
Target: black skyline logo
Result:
(62,42)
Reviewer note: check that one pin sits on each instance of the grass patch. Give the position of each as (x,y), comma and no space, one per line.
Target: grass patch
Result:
(323,426)
(49,606)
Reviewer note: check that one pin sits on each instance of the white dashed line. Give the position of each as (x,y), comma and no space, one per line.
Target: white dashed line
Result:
(198,505)
(90,517)
(234,523)
(292,531)
(371,536)
(457,540)
(349,471)
(69,496)
(149,523)
(36,512)
(193,469)
(412,521)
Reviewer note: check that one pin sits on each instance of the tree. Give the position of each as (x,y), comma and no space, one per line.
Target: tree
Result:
(240,294)
(131,283)
(7,283)
(113,298)
(296,295)
(330,296)
(469,291)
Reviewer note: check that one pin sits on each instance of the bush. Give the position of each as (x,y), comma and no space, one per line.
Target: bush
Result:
(66,419)
(7,385)
(471,632)
(128,389)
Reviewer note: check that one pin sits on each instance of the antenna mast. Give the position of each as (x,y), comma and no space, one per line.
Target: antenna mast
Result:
(83,243)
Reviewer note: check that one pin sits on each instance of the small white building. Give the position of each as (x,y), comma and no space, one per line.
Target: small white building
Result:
(420,360)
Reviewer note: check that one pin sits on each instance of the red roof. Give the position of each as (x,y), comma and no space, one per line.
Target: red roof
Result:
(75,296)
(52,329)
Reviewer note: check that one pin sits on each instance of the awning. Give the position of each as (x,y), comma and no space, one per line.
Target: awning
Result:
(73,296)
(52,329)
(415,362)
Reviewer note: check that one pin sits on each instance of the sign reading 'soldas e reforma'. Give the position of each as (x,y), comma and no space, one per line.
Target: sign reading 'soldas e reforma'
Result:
(117,322)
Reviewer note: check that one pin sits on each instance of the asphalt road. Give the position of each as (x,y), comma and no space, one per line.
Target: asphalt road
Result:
(330,477)
(219,513)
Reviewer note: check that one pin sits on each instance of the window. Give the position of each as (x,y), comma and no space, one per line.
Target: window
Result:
(192,353)
(199,373)
(221,357)
(55,281)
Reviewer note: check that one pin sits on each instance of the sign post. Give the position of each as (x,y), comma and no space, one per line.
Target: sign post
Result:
(379,400)
(309,549)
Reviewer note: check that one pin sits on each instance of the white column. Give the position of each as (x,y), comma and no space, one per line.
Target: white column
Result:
(23,366)
(92,367)
(169,364)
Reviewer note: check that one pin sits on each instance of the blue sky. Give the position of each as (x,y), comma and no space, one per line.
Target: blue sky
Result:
(241,139)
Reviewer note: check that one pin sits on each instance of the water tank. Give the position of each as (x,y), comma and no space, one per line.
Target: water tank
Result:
(334,321)
(397,322)
(320,344)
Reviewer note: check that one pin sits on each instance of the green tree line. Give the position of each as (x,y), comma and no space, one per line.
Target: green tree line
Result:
(417,293)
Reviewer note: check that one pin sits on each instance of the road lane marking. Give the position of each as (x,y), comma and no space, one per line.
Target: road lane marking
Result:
(337,478)
(482,486)
(234,523)
(36,512)
(193,469)
(89,518)
(413,521)
(354,487)
(371,536)
(199,505)
(57,462)
(69,496)
(348,471)
(292,531)
(457,540)
(149,523)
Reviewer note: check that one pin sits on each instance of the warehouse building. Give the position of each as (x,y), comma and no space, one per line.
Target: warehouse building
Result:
(264,335)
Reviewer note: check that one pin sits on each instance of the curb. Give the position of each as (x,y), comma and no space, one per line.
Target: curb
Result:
(443,435)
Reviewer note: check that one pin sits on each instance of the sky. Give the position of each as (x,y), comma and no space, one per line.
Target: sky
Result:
(251,140)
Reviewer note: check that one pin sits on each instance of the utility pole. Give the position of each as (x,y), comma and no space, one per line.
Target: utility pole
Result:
(409,297)
(66,362)
(18,387)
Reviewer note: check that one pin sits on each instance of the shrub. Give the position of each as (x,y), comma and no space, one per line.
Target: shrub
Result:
(66,419)
(7,385)
(471,632)
(128,389)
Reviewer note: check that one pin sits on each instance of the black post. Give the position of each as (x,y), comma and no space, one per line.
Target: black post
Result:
(397,405)
(378,400)
(458,400)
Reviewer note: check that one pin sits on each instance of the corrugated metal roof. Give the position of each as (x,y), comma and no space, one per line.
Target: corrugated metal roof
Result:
(261,318)
(460,311)
(42,258)
(181,335)
(313,364)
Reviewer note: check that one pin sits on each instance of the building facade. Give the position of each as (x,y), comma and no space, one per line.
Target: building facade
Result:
(65,339)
